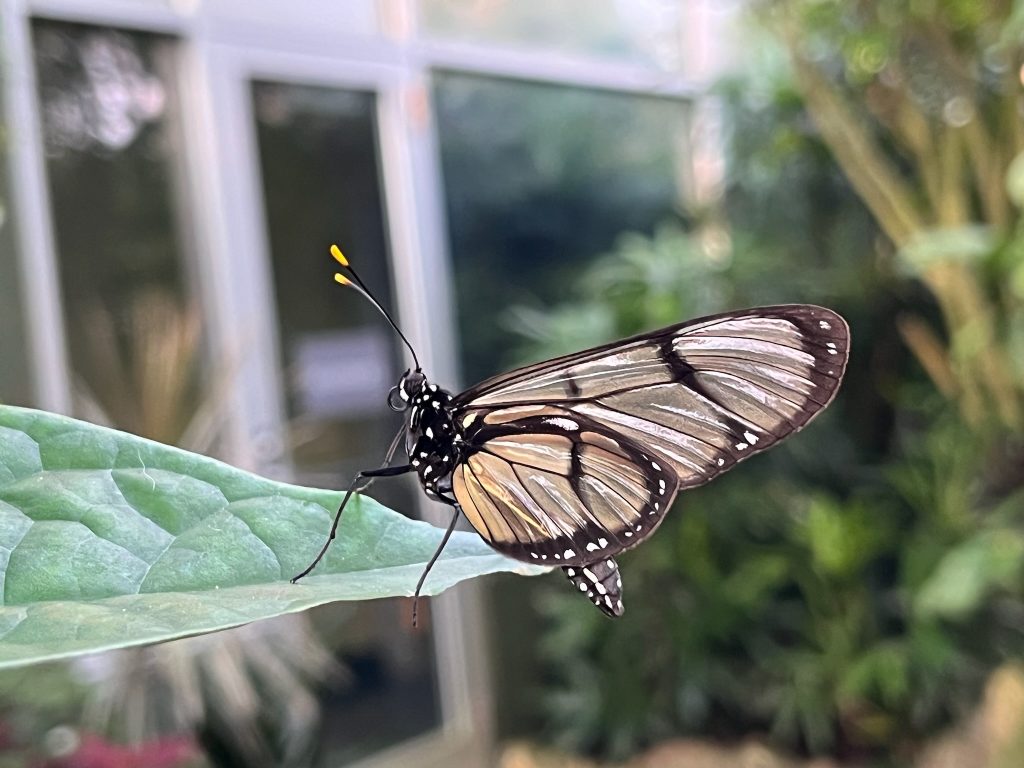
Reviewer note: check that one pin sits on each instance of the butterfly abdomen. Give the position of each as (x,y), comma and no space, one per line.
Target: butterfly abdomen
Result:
(601,583)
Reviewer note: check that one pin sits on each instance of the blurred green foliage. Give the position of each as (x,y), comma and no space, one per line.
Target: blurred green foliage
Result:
(848,592)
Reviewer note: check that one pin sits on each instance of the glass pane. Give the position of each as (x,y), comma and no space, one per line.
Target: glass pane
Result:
(539,180)
(321,180)
(108,108)
(644,31)
(15,382)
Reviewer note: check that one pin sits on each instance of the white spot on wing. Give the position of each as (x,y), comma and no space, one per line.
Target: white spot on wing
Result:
(824,326)
(562,423)
(750,437)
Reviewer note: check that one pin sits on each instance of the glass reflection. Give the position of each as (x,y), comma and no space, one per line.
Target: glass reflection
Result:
(133,333)
(538,181)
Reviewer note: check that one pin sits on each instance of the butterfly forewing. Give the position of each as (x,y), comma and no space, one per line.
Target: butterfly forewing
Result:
(567,459)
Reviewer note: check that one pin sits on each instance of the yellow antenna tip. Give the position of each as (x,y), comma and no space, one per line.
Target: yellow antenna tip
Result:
(340,278)
(339,256)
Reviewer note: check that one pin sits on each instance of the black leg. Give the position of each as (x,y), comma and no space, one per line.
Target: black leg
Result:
(387,458)
(368,474)
(437,554)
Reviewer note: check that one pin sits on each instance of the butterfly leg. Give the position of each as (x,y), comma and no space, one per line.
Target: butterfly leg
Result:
(395,442)
(361,477)
(437,554)
(601,582)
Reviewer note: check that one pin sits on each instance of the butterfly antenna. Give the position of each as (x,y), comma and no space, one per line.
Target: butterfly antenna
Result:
(359,286)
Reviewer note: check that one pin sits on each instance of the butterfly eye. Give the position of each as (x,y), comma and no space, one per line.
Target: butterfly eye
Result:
(395,400)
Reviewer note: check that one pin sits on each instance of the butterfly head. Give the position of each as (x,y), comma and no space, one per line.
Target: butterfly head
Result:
(409,387)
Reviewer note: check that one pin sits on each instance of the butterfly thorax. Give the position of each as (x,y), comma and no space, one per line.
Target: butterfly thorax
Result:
(432,440)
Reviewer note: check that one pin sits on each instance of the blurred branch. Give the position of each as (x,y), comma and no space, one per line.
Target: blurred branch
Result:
(951,208)
(887,197)
(988,164)
(930,353)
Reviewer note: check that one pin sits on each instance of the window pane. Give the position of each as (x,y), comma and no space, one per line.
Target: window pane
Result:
(644,31)
(15,382)
(133,334)
(539,180)
(321,176)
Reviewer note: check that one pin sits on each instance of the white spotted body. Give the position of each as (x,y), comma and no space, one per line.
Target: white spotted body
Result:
(431,437)
(601,582)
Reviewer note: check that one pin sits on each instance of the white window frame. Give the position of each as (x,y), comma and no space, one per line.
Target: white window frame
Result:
(220,56)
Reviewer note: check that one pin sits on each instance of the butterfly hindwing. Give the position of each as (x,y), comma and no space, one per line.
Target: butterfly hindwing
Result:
(557,488)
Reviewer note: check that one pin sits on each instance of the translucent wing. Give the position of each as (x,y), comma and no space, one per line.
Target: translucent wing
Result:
(696,397)
(556,487)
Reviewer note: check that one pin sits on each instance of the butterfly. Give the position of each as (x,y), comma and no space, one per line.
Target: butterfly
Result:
(569,462)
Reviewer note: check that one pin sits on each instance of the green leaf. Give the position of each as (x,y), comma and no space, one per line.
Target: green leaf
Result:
(967,244)
(842,537)
(986,561)
(883,669)
(108,540)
